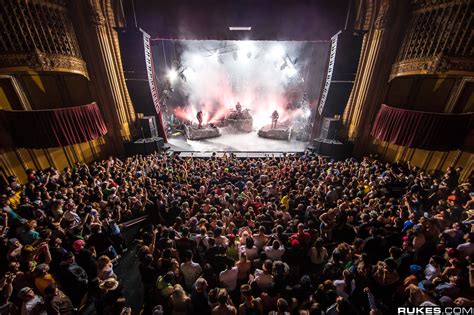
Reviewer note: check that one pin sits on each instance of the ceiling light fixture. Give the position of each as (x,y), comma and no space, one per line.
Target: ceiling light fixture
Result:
(240,28)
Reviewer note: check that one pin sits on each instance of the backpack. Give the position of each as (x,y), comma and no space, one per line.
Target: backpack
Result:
(79,274)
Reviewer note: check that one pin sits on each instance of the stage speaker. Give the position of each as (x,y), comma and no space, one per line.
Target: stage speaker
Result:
(148,127)
(138,69)
(344,58)
(330,128)
(144,146)
(332,148)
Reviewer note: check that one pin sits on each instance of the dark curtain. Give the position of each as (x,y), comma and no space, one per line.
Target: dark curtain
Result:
(422,130)
(39,129)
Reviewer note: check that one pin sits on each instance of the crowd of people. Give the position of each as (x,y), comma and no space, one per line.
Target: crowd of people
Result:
(289,235)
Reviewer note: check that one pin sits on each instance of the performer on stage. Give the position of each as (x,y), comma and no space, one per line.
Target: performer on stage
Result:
(275,117)
(238,108)
(199,118)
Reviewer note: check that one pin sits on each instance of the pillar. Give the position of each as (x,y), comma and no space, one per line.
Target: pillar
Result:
(103,61)
(379,49)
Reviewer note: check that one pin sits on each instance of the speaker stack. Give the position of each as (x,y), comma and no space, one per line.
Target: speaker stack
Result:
(149,141)
(342,68)
(138,70)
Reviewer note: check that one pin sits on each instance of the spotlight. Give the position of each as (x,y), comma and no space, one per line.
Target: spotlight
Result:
(172,75)
(307,113)
(240,28)
(278,52)
(289,71)
(245,48)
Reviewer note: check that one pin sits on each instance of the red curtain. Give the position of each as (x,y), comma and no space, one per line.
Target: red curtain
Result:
(422,130)
(39,129)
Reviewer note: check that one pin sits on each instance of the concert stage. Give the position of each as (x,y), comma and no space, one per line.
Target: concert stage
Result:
(195,133)
(277,133)
(239,155)
(231,142)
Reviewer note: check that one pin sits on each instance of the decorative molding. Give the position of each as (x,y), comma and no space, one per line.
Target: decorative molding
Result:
(97,19)
(437,65)
(38,35)
(422,6)
(384,15)
(39,61)
(438,39)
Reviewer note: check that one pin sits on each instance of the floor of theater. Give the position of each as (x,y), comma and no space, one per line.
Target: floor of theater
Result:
(128,274)
(244,142)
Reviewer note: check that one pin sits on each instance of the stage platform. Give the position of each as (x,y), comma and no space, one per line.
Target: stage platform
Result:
(240,155)
(232,142)
(277,133)
(195,133)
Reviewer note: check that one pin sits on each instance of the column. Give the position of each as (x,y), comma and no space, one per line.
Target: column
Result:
(379,50)
(100,54)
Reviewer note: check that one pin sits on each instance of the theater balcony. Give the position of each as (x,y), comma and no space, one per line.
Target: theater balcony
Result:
(55,57)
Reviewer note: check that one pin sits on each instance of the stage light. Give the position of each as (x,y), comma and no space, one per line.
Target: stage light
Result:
(240,28)
(289,71)
(196,60)
(245,48)
(215,56)
(307,113)
(172,75)
(245,45)
(278,52)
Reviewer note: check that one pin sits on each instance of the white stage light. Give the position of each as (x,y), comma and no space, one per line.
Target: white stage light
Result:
(290,71)
(172,75)
(240,28)
(307,113)
(196,60)
(278,52)
(245,45)
(245,48)
(189,74)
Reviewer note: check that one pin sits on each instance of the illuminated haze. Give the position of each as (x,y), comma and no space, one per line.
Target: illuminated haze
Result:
(216,82)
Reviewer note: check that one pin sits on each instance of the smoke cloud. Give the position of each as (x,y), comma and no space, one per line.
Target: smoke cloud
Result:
(212,76)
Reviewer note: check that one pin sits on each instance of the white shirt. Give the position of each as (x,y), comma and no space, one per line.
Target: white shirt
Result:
(251,253)
(274,254)
(29,306)
(72,216)
(431,272)
(341,286)
(228,278)
(191,271)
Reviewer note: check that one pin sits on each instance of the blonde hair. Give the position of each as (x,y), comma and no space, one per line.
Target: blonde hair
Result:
(103,261)
(178,293)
